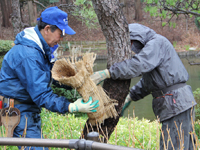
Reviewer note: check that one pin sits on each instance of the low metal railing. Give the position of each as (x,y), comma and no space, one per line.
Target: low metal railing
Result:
(77,144)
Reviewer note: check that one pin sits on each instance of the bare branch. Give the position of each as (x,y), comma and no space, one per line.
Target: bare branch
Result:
(179,11)
(67,5)
(39,3)
(180,7)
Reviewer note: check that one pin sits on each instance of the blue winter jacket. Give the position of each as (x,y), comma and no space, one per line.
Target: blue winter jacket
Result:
(26,74)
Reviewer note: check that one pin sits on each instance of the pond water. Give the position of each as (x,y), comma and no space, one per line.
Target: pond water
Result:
(143,107)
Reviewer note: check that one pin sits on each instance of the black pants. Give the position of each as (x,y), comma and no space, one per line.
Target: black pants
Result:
(179,132)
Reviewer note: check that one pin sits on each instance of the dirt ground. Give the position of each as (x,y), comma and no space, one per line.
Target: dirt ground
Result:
(183,36)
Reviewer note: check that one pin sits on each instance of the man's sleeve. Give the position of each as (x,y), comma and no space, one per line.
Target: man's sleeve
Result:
(148,59)
(138,91)
(36,80)
(57,84)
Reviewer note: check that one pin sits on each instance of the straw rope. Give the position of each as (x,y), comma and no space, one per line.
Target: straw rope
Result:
(77,75)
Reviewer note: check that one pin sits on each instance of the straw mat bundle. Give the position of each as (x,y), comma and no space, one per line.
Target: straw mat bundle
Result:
(77,75)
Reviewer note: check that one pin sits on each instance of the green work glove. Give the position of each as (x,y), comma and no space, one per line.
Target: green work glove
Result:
(126,104)
(80,106)
(99,76)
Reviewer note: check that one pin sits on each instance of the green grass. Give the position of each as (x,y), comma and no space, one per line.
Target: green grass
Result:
(187,47)
(1,60)
(129,132)
(70,127)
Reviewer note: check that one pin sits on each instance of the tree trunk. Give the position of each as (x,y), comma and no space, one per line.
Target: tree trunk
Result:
(35,13)
(68,1)
(16,17)
(31,13)
(138,10)
(9,5)
(6,12)
(115,30)
(126,4)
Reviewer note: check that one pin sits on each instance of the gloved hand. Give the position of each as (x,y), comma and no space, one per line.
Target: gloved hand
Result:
(80,106)
(126,104)
(99,76)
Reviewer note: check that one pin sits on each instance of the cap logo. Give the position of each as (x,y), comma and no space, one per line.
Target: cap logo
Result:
(66,21)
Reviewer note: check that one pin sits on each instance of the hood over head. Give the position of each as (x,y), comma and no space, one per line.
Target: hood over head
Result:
(136,46)
(139,33)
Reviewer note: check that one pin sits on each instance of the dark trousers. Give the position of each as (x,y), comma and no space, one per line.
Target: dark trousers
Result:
(179,132)
(33,123)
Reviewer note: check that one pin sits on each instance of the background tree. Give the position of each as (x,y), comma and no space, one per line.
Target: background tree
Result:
(115,30)
(167,9)
(32,10)
(6,12)
(16,17)
(128,9)
(138,10)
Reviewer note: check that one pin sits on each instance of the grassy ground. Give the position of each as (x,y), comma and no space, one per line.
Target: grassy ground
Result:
(129,132)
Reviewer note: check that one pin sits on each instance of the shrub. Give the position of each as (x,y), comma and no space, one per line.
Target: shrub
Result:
(130,132)
(5,46)
(197,107)
(71,95)
(1,60)
(197,128)
(197,23)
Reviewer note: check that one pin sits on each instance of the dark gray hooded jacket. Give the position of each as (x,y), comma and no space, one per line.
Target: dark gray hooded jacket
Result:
(160,67)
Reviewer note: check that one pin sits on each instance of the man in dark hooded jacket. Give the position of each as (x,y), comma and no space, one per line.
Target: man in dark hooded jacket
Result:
(26,74)
(164,76)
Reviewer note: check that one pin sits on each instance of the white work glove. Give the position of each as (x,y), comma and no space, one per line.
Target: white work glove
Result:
(126,103)
(99,76)
(80,106)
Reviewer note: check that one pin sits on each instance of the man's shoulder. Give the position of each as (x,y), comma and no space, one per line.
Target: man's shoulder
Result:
(21,52)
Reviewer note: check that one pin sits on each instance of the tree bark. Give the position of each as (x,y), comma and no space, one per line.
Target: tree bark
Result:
(115,30)
(35,13)
(16,17)
(138,10)
(126,4)
(31,13)
(6,12)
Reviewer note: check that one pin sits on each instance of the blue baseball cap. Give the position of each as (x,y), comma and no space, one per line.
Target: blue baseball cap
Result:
(55,16)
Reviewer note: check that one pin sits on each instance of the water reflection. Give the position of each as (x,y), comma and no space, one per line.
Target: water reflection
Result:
(143,107)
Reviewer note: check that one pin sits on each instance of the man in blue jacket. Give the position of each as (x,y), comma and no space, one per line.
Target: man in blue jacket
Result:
(164,76)
(26,74)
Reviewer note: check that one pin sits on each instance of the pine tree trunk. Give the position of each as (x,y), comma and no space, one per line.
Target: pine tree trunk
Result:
(138,10)
(6,12)
(115,30)
(16,17)
(31,13)
(126,4)
(35,13)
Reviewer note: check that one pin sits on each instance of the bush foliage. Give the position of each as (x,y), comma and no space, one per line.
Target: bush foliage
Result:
(197,107)
(130,132)
(5,46)
(71,95)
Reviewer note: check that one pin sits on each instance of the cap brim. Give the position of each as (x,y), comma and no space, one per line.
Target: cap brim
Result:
(68,30)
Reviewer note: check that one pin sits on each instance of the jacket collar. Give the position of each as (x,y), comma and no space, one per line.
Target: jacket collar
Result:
(46,48)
